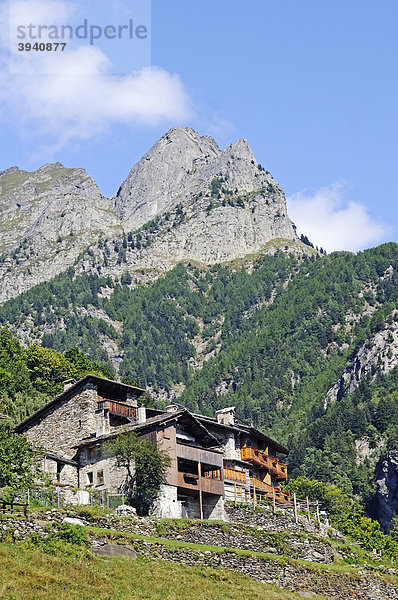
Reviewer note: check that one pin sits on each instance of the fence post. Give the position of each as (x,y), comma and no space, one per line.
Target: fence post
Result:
(254,496)
(58,496)
(28,498)
(273,501)
(317,512)
(235,492)
(308,510)
(295,508)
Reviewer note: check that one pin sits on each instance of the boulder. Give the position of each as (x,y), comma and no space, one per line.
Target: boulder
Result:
(72,521)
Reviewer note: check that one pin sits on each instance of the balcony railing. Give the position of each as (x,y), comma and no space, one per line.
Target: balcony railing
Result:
(191,481)
(260,459)
(277,469)
(256,457)
(234,475)
(271,491)
(213,474)
(118,408)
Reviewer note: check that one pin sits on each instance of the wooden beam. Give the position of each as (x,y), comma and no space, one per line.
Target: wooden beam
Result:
(295,507)
(200,491)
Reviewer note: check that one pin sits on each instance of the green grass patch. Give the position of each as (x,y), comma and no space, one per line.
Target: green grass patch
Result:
(111,534)
(32,575)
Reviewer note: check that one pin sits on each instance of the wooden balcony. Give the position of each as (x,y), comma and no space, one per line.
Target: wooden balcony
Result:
(234,475)
(190,481)
(258,458)
(261,460)
(194,454)
(271,491)
(118,408)
(282,472)
(277,469)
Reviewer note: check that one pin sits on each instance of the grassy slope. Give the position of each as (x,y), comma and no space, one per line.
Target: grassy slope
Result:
(28,575)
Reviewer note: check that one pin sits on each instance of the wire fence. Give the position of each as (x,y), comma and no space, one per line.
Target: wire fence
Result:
(312,510)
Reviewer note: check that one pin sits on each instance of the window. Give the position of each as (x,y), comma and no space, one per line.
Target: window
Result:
(90,478)
(92,453)
(100,477)
(80,423)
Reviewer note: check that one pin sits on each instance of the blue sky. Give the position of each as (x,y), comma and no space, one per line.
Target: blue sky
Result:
(312,86)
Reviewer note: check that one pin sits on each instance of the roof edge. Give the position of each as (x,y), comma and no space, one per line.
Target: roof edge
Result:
(70,391)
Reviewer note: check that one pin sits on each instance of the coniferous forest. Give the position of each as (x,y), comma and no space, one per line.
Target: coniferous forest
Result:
(269,335)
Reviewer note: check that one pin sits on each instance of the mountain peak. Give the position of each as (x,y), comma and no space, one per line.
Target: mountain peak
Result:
(9,171)
(197,202)
(162,174)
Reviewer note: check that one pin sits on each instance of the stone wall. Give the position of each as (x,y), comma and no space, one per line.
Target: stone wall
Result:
(213,508)
(166,505)
(284,574)
(364,584)
(66,424)
(263,518)
(113,477)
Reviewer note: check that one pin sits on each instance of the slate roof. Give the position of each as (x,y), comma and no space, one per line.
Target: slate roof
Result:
(206,437)
(246,429)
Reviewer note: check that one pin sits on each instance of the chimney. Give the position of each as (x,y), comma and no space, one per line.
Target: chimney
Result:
(141,414)
(226,416)
(68,384)
(102,423)
(172,408)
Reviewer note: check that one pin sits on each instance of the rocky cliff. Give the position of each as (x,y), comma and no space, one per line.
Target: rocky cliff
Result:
(386,500)
(46,218)
(377,355)
(194,201)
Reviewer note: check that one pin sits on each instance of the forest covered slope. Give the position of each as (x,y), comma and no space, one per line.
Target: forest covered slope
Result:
(288,339)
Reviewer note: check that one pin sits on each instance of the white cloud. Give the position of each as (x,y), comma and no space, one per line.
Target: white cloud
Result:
(81,97)
(332,222)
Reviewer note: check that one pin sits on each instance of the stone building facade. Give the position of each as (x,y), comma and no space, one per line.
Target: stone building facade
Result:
(212,459)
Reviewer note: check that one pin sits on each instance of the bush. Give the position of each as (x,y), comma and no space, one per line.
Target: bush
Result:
(73,534)
(346,515)
(69,540)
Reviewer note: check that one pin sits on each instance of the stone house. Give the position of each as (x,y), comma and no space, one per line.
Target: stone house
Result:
(211,459)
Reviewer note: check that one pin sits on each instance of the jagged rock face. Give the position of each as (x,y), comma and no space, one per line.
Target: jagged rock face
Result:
(386,503)
(227,207)
(51,202)
(378,354)
(180,168)
(161,175)
(47,218)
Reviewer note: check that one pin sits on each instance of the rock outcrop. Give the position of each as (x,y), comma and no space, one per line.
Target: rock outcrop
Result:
(183,167)
(386,502)
(378,355)
(46,219)
(208,205)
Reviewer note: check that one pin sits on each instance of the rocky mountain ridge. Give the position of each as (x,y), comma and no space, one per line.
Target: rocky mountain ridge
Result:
(197,202)
(377,355)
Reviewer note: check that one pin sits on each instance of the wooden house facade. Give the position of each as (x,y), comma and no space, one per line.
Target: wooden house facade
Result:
(212,460)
